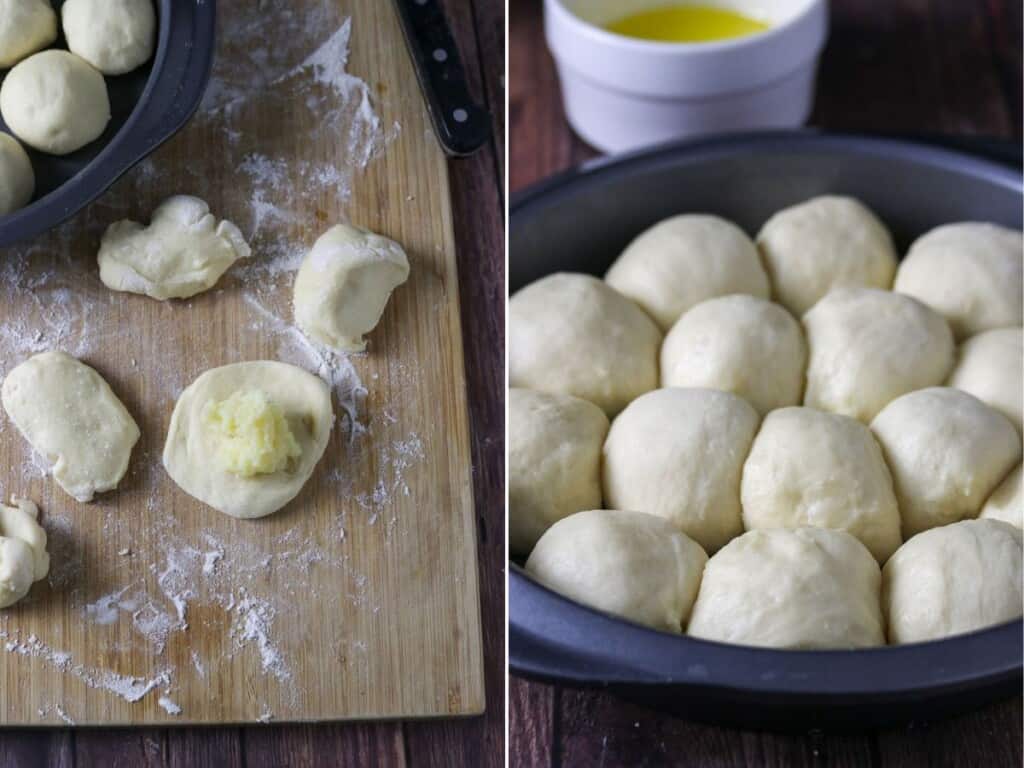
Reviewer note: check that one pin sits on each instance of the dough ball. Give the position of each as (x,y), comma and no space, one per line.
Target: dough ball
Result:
(810,468)
(951,580)
(245,438)
(183,251)
(825,243)
(739,344)
(344,284)
(115,36)
(23,555)
(55,102)
(678,454)
(801,588)
(70,416)
(630,564)
(572,334)
(1006,502)
(26,26)
(970,273)
(554,462)
(868,347)
(990,366)
(947,452)
(684,260)
(17,180)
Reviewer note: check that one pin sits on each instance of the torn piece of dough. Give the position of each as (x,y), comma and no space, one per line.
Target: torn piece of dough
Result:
(70,415)
(183,251)
(245,438)
(344,284)
(23,555)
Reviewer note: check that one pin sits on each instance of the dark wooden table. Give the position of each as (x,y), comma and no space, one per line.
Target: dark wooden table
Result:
(478,184)
(898,66)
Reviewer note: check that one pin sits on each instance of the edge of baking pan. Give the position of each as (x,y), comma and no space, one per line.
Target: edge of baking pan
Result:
(181,70)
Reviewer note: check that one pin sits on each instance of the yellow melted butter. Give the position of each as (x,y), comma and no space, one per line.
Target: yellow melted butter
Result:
(687,24)
(251,434)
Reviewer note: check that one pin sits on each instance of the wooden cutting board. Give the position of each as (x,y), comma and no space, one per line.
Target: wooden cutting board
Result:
(357,600)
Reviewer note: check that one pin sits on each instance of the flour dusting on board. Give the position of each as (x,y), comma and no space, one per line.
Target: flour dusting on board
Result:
(161,584)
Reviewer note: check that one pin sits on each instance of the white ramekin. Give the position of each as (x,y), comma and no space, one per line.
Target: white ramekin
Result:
(622,93)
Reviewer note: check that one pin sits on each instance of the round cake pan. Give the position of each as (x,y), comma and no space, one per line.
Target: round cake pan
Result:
(580,221)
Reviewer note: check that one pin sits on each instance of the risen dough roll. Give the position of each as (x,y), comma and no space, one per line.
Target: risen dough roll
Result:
(681,261)
(739,344)
(822,244)
(115,36)
(1006,502)
(192,451)
(23,555)
(953,579)
(26,26)
(54,101)
(630,564)
(868,347)
(17,180)
(810,468)
(800,588)
(678,454)
(990,366)
(554,462)
(572,334)
(947,451)
(970,273)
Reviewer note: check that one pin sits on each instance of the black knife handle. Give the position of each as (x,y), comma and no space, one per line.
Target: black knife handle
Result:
(461,125)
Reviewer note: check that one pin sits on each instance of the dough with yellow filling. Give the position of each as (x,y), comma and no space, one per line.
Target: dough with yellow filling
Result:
(23,556)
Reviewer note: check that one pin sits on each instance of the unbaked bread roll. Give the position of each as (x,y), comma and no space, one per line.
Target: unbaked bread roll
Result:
(554,462)
(951,580)
(678,454)
(970,273)
(572,334)
(115,36)
(630,564)
(868,347)
(947,452)
(799,588)
(990,366)
(1006,502)
(681,261)
(740,344)
(26,26)
(822,244)
(17,179)
(23,555)
(810,468)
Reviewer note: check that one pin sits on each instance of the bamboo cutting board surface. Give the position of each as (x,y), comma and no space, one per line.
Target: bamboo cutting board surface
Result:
(357,600)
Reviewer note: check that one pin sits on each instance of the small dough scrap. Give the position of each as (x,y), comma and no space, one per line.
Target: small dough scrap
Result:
(23,555)
(17,179)
(183,251)
(867,347)
(947,452)
(953,579)
(630,564)
(825,243)
(55,102)
(69,415)
(1007,501)
(26,26)
(344,284)
(554,462)
(970,273)
(678,454)
(572,334)
(803,588)
(197,459)
(115,36)
(811,468)
(740,344)
(990,366)
(684,260)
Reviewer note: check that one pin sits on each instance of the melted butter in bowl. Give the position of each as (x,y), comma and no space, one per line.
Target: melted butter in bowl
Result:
(687,24)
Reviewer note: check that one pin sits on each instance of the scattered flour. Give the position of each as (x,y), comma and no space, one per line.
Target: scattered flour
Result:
(168,705)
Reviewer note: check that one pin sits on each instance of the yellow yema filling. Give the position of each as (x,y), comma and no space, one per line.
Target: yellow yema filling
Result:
(251,433)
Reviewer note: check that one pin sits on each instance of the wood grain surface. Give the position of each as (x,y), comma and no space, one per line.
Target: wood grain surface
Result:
(904,66)
(360,599)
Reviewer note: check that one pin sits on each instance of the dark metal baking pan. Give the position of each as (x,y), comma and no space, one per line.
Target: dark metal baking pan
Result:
(148,106)
(580,221)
